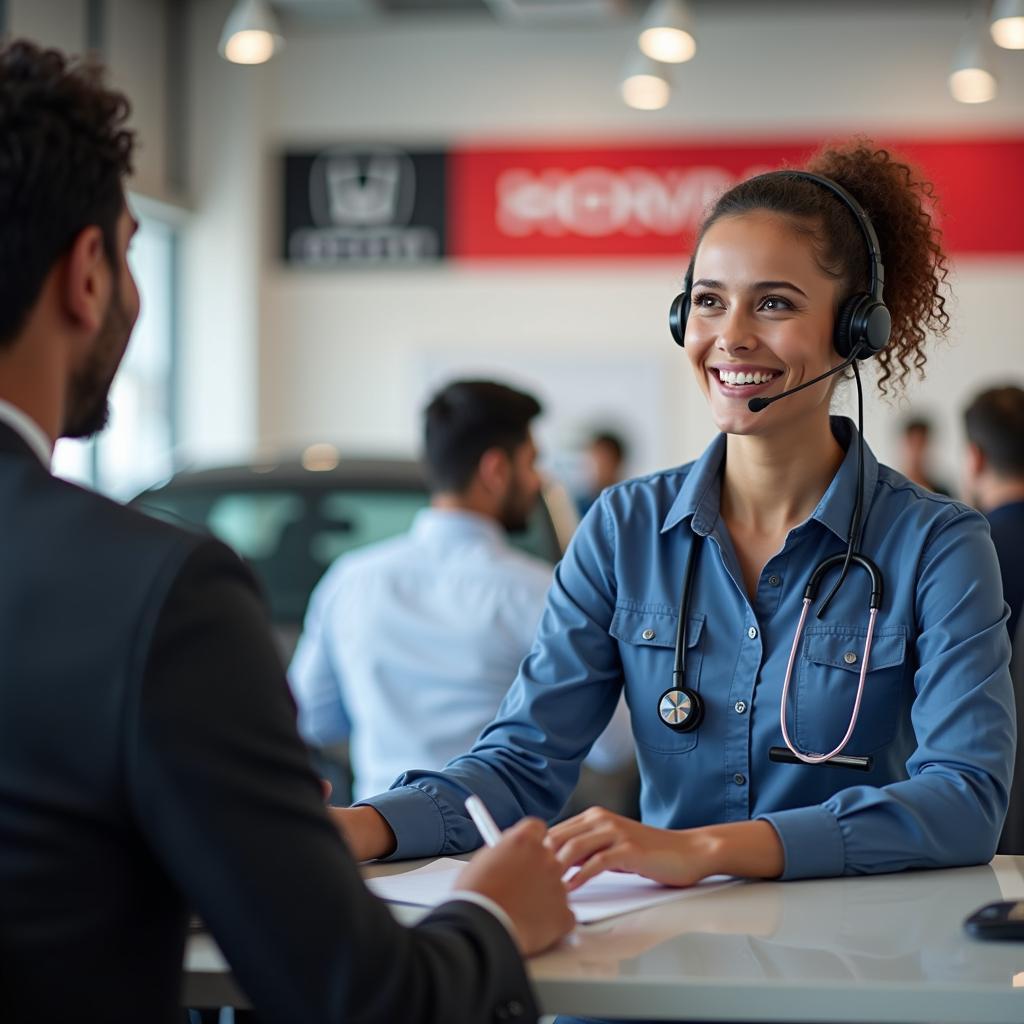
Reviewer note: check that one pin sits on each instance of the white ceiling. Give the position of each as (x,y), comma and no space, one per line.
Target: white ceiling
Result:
(579,11)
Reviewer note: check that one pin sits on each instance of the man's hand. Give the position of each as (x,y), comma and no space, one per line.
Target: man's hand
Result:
(365,830)
(525,879)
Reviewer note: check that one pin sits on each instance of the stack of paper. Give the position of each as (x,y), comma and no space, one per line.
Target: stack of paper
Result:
(607,895)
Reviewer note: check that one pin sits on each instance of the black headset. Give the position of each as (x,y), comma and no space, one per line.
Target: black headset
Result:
(863,319)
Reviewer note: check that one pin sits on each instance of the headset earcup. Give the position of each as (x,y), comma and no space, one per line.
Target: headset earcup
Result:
(678,313)
(862,319)
(842,336)
(877,328)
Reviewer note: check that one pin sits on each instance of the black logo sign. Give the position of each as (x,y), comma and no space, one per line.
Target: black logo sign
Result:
(364,205)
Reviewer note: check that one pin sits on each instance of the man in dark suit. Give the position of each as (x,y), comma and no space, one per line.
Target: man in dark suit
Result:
(149,761)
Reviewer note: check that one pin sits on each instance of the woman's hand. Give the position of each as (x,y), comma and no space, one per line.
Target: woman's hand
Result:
(365,830)
(598,840)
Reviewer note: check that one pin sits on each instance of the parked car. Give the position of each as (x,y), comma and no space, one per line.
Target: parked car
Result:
(291,519)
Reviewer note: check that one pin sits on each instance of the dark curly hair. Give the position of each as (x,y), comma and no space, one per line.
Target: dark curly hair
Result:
(897,200)
(64,152)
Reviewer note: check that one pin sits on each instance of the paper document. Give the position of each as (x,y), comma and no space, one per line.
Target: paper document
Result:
(608,895)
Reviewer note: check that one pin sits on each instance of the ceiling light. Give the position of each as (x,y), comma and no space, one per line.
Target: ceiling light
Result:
(646,85)
(1007,26)
(971,79)
(972,85)
(667,32)
(251,34)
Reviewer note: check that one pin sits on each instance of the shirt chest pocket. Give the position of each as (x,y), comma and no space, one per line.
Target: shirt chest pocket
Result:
(647,641)
(826,688)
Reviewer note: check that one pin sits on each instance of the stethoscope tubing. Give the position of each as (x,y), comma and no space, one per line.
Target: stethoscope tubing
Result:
(806,757)
(694,702)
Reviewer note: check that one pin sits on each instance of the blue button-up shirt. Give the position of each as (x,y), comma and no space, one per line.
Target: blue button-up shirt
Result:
(937,714)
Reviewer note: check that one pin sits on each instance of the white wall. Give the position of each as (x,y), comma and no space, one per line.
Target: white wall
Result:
(218,373)
(345,356)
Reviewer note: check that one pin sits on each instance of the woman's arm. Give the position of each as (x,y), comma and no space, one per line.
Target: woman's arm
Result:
(527,761)
(950,810)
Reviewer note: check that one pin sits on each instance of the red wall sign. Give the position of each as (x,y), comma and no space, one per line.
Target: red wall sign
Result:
(532,203)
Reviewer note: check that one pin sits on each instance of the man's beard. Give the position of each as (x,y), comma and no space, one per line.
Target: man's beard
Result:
(88,409)
(515,510)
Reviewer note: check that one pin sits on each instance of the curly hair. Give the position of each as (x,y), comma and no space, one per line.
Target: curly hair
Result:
(64,152)
(898,201)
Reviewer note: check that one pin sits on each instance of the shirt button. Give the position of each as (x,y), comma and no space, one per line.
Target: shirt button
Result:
(739,707)
(850,658)
(773,581)
(739,779)
(648,634)
(752,633)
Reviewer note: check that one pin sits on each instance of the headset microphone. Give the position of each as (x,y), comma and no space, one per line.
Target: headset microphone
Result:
(757,404)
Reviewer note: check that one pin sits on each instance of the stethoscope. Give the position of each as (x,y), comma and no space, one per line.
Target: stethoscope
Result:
(681,708)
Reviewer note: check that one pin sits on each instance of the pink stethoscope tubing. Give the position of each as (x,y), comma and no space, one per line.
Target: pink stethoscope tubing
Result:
(865,660)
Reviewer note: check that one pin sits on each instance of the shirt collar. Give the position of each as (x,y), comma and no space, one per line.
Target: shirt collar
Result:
(700,495)
(28,430)
(456,524)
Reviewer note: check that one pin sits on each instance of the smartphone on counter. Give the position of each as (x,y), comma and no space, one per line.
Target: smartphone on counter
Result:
(1003,919)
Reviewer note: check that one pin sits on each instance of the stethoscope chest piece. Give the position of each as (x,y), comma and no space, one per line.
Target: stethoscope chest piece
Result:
(680,709)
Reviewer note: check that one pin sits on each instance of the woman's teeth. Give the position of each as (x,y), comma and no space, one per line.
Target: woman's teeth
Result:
(736,379)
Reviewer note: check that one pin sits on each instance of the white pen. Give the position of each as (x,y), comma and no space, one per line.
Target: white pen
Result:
(489,831)
(491,834)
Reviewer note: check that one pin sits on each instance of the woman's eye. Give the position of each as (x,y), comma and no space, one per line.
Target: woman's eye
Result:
(705,300)
(775,303)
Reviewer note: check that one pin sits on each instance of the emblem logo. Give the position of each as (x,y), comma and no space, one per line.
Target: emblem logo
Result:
(362,188)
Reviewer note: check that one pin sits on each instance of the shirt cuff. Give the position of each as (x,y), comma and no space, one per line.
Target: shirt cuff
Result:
(486,903)
(812,842)
(415,819)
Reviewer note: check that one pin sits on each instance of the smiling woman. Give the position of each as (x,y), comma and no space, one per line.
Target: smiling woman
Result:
(904,665)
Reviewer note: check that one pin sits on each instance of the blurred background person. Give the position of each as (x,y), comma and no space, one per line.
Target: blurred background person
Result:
(606,457)
(409,645)
(994,482)
(915,457)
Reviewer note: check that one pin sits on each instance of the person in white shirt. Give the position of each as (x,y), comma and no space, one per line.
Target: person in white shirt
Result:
(410,645)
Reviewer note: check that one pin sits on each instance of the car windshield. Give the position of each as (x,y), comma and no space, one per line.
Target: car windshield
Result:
(290,535)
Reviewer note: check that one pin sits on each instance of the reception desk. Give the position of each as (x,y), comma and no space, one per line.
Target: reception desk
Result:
(886,948)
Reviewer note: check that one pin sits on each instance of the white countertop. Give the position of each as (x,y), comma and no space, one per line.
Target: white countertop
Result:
(876,948)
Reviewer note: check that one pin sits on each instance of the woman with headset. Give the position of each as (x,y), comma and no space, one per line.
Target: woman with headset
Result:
(834,697)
